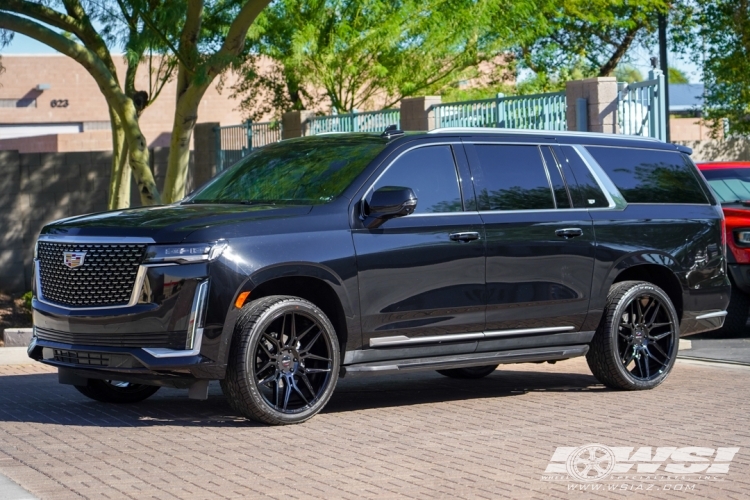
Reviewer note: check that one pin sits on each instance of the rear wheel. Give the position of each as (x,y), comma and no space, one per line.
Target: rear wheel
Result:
(113,391)
(283,362)
(635,346)
(472,372)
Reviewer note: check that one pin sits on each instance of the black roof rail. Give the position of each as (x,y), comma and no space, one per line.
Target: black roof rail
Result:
(392,131)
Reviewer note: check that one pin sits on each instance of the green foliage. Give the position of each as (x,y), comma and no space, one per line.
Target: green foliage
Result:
(595,36)
(359,51)
(724,45)
(27,300)
(629,74)
(677,76)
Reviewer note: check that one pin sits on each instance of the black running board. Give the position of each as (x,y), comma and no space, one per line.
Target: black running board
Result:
(466,360)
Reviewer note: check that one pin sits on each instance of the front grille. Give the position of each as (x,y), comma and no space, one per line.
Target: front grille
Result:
(105,278)
(81,358)
(169,340)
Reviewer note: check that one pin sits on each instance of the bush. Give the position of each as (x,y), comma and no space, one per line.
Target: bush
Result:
(27,300)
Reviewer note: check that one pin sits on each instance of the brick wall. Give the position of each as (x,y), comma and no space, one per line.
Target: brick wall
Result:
(36,188)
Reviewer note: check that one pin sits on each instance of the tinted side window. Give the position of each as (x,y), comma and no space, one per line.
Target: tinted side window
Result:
(584,189)
(647,176)
(514,178)
(431,173)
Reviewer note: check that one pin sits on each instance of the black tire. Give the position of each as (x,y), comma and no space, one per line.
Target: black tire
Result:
(112,391)
(640,326)
(735,322)
(283,361)
(472,372)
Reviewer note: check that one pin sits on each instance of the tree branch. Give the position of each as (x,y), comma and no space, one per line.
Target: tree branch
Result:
(44,14)
(611,64)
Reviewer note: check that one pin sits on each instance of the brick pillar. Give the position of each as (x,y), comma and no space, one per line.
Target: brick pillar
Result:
(204,140)
(601,94)
(415,114)
(14,209)
(293,123)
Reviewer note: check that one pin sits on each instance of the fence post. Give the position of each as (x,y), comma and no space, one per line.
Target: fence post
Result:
(500,110)
(207,152)
(658,114)
(601,95)
(416,113)
(293,123)
(249,126)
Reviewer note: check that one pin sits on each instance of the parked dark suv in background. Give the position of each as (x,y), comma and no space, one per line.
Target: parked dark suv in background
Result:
(342,255)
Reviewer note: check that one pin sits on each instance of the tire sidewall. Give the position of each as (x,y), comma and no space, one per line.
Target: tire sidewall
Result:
(255,332)
(620,306)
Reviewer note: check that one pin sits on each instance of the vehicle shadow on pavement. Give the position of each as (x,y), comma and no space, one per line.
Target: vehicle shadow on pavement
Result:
(38,398)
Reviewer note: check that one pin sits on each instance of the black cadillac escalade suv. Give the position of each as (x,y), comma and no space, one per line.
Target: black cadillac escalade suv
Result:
(353,254)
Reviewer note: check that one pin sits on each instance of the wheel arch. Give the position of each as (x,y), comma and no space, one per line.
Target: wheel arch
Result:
(311,282)
(659,275)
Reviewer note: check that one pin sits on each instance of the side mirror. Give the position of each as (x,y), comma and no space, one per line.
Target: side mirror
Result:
(389,202)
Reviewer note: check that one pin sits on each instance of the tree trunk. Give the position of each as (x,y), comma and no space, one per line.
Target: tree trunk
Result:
(119,184)
(186,114)
(138,156)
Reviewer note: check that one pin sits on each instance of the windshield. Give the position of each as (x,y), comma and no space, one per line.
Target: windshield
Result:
(731,185)
(309,172)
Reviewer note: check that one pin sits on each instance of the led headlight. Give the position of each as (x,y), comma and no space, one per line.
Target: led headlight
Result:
(185,254)
(743,237)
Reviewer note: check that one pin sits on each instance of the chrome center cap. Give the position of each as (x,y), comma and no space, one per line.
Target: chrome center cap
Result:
(286,362)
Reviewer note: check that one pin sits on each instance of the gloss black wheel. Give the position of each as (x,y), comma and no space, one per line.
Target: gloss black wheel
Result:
(635,346)
(284,361)
(472,372)
(113,391)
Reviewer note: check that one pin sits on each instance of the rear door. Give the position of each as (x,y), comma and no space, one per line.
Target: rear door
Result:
(540,249)
(421,277)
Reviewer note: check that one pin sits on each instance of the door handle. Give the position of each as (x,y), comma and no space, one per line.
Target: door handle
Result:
(464,237)
(569,232)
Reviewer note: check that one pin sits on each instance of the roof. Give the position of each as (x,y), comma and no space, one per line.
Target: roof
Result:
(685,96)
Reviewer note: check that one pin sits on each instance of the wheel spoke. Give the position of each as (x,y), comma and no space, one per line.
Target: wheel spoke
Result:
(649,305)
(303,376)
(650,324)
(265,350)
(315,356)
(317,370)
(648,353)
(661,336)
(264,367)
(287,393)
(272,340)
(293,333)
(312,342)
(626,362)
(639,310)
(658,347)
(296,389)
(301,335)
(268,379)
(644,360)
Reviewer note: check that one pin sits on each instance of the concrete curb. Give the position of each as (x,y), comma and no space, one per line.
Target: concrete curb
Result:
(17,337)
(14,356)
(9,490)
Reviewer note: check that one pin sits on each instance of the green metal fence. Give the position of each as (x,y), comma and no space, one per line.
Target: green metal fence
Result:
(371,121)
(642,109)
(234,142)
(538,111)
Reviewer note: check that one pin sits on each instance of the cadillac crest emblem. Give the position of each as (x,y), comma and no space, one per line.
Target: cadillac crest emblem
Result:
(73,259)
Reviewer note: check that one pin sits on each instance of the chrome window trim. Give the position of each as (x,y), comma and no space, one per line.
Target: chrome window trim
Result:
(404,340)
(402,153)
(195,328)
(613,195)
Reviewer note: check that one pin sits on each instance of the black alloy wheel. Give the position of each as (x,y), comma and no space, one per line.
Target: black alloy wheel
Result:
(635,346)
(284,361)
(114,391)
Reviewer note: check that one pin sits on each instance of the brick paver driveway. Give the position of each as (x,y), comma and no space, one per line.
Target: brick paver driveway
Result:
(418,435)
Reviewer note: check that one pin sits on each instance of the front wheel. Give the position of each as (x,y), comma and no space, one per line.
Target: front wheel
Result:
(635,346)
(113,391)
(283,362)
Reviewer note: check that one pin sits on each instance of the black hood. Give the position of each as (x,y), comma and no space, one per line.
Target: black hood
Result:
(169,223)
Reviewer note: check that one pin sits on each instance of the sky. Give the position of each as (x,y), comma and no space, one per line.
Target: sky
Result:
(25,45)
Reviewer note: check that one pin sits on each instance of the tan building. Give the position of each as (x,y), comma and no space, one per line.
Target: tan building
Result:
(49,103)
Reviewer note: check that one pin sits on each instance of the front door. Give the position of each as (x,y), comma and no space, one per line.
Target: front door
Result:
(540,250)
(421,277)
